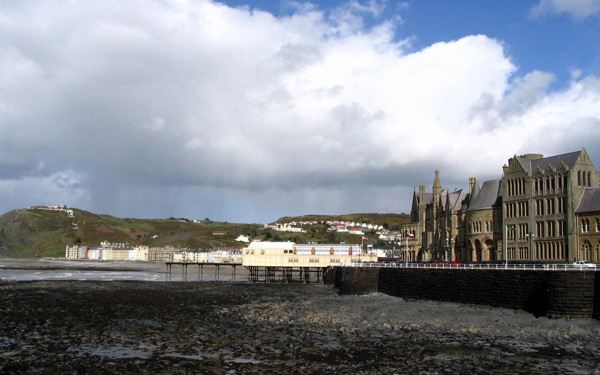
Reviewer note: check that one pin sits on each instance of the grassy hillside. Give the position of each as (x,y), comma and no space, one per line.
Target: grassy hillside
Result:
(30,233)
(34,233)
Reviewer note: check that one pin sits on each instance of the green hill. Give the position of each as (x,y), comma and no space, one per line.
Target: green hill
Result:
(27,233)
(37,232)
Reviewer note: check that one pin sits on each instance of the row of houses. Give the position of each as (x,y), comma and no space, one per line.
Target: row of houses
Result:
(120,251)
(542,209)
(333,226)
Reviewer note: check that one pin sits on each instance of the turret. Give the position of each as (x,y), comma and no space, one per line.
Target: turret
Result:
(473,187)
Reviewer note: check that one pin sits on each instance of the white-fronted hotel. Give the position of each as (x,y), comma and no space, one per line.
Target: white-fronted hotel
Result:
(290,254)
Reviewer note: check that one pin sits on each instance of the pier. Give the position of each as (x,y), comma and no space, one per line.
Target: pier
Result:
(257,274)
(200,270)
(286,275)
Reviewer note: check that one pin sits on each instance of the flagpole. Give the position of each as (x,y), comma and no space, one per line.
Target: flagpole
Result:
(406,249)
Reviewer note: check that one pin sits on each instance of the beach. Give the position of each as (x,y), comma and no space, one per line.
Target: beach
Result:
(131,327)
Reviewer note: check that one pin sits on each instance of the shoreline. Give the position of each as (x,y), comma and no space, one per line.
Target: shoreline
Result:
(174,327)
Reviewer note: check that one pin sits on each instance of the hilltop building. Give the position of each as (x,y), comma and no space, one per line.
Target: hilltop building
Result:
(542,209)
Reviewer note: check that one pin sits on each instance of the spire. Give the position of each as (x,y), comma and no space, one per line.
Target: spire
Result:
(437,189)
(474,187)
(436,182)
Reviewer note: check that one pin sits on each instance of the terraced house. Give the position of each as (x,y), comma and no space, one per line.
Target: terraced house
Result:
(542,209)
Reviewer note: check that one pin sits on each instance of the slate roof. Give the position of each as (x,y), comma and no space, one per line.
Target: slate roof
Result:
(531,165)
(457,199)
(590,201)
(428,198)
(488,196)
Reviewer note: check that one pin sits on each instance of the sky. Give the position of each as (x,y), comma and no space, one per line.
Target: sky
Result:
(250,111)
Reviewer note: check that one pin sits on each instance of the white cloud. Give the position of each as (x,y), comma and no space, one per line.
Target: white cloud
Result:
(578,9)
(160,102)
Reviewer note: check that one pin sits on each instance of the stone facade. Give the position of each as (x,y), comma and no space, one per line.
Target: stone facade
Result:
(588,226)
(527,215)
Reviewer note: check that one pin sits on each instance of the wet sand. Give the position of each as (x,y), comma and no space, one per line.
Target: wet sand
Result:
(225,328)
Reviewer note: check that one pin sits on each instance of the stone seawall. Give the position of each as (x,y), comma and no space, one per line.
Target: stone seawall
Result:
(556,294)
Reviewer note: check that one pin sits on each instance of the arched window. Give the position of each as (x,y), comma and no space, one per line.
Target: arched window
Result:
(585,225)
(598,224)
(589,178)
(578,178)
(586,251)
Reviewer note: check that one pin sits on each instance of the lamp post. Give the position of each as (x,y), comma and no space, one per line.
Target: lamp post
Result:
(448,252)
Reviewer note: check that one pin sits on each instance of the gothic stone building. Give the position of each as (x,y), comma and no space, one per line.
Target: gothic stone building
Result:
(588,225)
(527,215)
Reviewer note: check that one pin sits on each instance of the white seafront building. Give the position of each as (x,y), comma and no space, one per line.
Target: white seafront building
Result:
(107,252)
(290,254)
(120,251)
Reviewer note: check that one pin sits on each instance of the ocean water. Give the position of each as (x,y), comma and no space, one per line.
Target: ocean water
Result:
(39,275)
(62,269)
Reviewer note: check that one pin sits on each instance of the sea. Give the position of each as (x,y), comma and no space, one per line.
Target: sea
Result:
(48,269)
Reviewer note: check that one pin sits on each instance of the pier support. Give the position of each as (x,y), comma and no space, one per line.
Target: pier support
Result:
(200,269)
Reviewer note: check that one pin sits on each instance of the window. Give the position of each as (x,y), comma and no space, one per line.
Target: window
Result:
(523,253)
(551,225)
(539,229)
(511,253)
(550,206)
(585,225)
(586,251)
(597,224)
(510,232)
(560,205)
(523,230)
(539,207)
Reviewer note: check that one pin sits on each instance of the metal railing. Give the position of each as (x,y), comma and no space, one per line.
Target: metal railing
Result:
(478,266)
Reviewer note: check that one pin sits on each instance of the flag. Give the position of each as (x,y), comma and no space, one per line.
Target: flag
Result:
(510,227)
(365,239)
(410,235)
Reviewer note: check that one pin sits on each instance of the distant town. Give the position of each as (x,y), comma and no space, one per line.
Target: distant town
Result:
(543,209)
